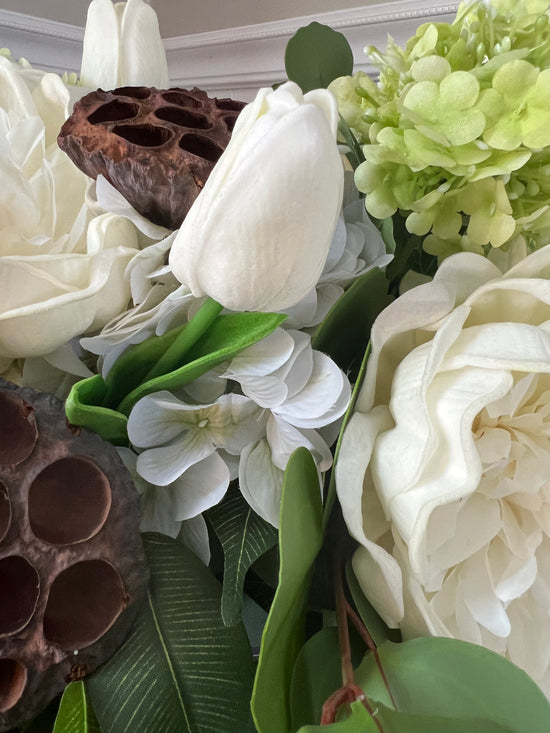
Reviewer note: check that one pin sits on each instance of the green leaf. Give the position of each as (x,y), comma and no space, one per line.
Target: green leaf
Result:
(83,408)
(317,674)
(181,670)
(393,721)
(315,55)
(344,333)
(300,539)
(358,721)
(245,537)
(455,679)
(378,630)
(76,714)
(229,334)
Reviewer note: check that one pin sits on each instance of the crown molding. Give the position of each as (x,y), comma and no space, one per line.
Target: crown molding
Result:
(46,44)
(231,62)
(235,62)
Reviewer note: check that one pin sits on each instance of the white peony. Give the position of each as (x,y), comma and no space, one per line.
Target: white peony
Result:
(444,470)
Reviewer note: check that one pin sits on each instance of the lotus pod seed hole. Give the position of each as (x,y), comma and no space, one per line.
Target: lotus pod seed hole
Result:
(19,591)
(18,432)
(181,99)
(5,511)
(69,501)
(84,602)
(230,105)
(134,92)
(183,117)
(114,111)
(201,147)
(146,136)
(13,678)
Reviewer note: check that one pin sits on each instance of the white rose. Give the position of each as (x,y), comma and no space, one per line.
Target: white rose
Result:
(61,266)
(444,471)
(258,235)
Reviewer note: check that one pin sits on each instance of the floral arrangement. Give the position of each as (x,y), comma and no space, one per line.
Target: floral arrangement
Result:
(342,473)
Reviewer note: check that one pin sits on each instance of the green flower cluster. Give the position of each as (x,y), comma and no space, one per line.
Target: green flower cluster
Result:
(456,131)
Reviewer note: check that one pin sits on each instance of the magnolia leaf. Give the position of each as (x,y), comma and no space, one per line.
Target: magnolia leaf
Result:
(359,720)
(181,670)
(455,679)
(317,674)
(83,408)
(76,714)
(345,331)
(315,55)
(300,539)
(229,334)
(378,630)
(245,537)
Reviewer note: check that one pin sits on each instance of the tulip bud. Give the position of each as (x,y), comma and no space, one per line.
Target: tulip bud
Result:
(122,46)
(258,235)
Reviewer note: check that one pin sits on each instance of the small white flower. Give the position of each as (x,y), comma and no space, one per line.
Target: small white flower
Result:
(180,445)
(304,390)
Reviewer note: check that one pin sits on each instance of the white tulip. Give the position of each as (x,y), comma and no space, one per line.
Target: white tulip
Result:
(122,46)
(443,469)
(258,235)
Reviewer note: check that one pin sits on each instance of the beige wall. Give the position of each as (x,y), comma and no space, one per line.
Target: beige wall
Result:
(181,17)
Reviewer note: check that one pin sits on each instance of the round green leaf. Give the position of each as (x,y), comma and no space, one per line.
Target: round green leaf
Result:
(454,679)
(315,55)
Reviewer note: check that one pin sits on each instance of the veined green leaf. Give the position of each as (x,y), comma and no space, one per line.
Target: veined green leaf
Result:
(181,670)
(454,679)
(300,539)
(76,714)
(245,537)
(317,54)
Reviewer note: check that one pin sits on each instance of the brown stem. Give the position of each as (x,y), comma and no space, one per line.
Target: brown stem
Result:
(369,641)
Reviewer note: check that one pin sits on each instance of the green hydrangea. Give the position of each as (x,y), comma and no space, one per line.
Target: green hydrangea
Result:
(456,130)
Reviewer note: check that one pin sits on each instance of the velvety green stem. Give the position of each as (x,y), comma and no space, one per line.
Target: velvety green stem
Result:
(173,356)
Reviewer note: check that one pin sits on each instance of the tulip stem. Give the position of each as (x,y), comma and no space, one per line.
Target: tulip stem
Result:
(173,356)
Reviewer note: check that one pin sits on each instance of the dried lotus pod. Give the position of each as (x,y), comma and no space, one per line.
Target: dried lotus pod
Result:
(72,567)
(156,146)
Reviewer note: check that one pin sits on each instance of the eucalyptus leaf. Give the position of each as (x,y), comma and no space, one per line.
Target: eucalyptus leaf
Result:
(245,537)
(227,336)
(358,721)
(436,676)
(378,630)
(393,721)
(181,670)
(317,674)
(344,333)
(76,714)
(317,54)
(300,539)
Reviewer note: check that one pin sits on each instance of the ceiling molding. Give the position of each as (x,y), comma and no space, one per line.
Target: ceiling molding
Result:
(46,44)
(231,62)
(235,62)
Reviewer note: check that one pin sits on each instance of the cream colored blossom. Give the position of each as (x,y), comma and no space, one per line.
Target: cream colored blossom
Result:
(443,475)
(61,265)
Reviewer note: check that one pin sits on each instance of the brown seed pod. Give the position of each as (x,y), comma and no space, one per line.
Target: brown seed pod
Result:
(156,146)
(72,566)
